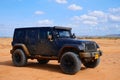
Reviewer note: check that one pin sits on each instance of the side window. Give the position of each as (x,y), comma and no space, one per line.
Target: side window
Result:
(32,36)
(43,34)
(63,33)
(19,35)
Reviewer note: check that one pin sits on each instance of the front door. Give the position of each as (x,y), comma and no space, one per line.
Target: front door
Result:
(46,47)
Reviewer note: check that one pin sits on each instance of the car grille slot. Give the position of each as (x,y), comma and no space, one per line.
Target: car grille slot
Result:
(90,46)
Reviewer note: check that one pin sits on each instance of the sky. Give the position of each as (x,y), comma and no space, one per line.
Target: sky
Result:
(85,17)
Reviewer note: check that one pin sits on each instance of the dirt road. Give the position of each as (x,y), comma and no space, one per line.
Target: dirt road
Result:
(109,68)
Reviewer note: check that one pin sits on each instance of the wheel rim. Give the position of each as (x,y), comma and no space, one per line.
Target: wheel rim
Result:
(17,58)
(68,62)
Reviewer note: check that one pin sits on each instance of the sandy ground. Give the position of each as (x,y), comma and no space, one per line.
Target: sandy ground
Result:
(108,69)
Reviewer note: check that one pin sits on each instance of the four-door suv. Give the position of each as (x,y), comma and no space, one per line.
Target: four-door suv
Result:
(54,43)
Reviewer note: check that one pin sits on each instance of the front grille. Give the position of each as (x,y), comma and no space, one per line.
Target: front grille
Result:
(90,46)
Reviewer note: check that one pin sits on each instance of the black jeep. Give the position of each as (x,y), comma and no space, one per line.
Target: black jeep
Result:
(54,43)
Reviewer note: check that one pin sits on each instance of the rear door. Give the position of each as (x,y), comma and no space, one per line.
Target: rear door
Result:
(32,40)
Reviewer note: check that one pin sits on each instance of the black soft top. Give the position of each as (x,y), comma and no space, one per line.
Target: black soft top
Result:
(54,27)
(65,28)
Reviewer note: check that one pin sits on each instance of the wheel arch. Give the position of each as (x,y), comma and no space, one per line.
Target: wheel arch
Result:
(68,48)
(20,46)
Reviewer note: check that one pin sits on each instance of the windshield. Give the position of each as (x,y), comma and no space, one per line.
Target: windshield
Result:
(63,33)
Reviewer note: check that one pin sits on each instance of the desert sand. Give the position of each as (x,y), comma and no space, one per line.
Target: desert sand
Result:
(108,69)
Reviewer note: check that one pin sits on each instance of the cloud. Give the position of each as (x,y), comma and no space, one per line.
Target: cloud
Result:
(90,22)
(74,7)
(86,19)
(114,18)
(97,18)
(45,22)
(39,12)
(97,13)
(100,15)
(114,15)
(114,10)
(92,18)
(61,1)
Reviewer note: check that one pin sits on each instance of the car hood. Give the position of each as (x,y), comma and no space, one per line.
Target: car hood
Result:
(63,41)
(72,41)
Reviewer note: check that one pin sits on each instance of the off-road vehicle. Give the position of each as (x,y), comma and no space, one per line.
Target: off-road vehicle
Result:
(54,43)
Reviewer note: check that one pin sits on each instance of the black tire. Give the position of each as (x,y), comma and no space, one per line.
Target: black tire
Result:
(70,63)
(92,64)
(19,58)
(42,61)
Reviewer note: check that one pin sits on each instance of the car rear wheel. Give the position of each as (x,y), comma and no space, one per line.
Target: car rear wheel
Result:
(70,63)
(19,58)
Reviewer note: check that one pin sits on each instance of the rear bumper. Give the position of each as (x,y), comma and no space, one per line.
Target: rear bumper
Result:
(90,54)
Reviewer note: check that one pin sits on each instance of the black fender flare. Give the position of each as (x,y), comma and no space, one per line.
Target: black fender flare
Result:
(76,47)
(20,46)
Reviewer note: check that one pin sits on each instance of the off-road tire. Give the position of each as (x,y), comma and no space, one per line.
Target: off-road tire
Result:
(42,61)
(70,63)
(92,64)
(19,58)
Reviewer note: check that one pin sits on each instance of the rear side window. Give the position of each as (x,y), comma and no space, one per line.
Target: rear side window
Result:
(32,36)
(43,33)
(19,35)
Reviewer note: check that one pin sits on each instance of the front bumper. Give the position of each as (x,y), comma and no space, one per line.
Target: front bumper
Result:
(95,55)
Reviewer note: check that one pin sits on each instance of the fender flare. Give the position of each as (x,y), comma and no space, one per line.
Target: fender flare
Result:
(76,47)
(21,46)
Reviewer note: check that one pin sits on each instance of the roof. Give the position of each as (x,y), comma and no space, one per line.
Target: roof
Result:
(55,27)
(60,27)
(32,27)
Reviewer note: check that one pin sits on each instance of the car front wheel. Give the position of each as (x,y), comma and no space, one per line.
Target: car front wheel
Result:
(92,63)
(70,63)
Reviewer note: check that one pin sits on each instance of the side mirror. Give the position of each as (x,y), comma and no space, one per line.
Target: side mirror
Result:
(73,36)
(58,35)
